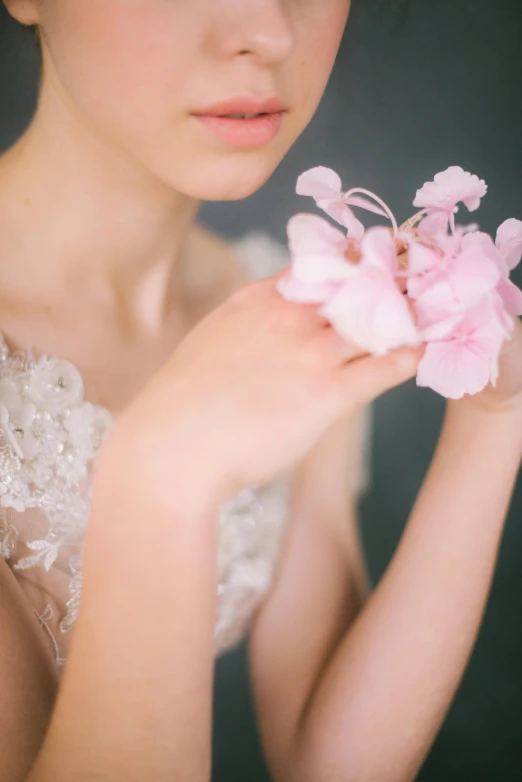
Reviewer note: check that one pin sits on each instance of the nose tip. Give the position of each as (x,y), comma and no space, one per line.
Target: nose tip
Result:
(273,45)
(263,32)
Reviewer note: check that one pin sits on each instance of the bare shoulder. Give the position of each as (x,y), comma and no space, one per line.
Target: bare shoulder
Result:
(28,680)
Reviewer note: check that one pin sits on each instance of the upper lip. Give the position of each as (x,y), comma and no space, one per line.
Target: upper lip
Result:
(243,105)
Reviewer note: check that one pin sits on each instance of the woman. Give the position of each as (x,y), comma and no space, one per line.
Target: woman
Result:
(202,387)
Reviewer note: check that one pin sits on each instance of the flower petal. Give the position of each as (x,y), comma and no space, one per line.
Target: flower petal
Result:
(371,313)
(438,312)
(324,186)
(365,203)
(293,289)
(434,225)
(452,370)
(343,215)
(320,182)
(449,187)
(421,259)
(509,241)
(318,250)
(378,249)
(418,285)
(310,234)
(511,297)
(466,362)
(472,273)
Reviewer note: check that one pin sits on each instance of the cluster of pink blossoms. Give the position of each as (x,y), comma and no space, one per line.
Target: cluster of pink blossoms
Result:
(426,281)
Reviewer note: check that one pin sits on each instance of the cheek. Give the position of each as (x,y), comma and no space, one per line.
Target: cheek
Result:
(321,28)
(123,63)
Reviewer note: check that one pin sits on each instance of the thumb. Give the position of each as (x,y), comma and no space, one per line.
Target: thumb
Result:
(366,378)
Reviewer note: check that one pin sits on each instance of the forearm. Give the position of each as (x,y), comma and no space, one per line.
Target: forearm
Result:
(135,701)
(378,705)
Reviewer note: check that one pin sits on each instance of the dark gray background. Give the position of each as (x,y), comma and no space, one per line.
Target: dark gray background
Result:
(407,99)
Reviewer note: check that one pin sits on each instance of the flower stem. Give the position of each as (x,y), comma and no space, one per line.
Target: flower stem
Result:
(376,198)
(414,220)
(452,223)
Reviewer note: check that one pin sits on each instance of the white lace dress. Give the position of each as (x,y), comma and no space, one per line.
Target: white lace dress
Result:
(49,436)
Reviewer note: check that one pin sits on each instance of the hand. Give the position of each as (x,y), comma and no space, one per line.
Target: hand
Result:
(250,390)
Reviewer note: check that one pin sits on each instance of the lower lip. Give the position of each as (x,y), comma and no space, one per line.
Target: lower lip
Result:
(252,132)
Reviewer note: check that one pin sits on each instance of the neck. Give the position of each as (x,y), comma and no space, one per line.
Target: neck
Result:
(79,215)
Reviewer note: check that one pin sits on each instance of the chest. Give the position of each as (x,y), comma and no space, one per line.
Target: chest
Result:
(114,367)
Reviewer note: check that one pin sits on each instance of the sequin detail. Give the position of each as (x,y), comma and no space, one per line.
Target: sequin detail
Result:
(48,437)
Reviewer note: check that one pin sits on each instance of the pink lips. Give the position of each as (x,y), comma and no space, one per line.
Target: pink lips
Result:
(250,131)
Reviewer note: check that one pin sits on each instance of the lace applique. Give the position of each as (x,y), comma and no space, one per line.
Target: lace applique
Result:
(8,536)
(43,618)
(49,435)
(251,529)
(75,588)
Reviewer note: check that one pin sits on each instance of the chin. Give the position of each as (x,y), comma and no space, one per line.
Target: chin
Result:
(229,177)
(235,188)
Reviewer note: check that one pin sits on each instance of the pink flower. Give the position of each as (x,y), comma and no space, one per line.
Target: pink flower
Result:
(448,189)
(464,274)
(422,259)
(509,246)
(461,299)
(325,187)
(433,226)
(511,297)
(369,309)
(319,265)
(509,242)
(462,263)
(505,254)
(467,359)
(437,312)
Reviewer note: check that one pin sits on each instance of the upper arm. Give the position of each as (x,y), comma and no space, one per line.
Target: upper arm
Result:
(319,588)
(28,681)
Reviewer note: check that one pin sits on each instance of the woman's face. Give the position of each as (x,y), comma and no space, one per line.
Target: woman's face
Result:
(139,72)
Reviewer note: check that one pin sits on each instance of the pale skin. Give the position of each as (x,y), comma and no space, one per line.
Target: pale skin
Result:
(205,368)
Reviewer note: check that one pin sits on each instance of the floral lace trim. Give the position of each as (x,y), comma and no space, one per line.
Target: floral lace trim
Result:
(8,536)
(46,614)
(48,438)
